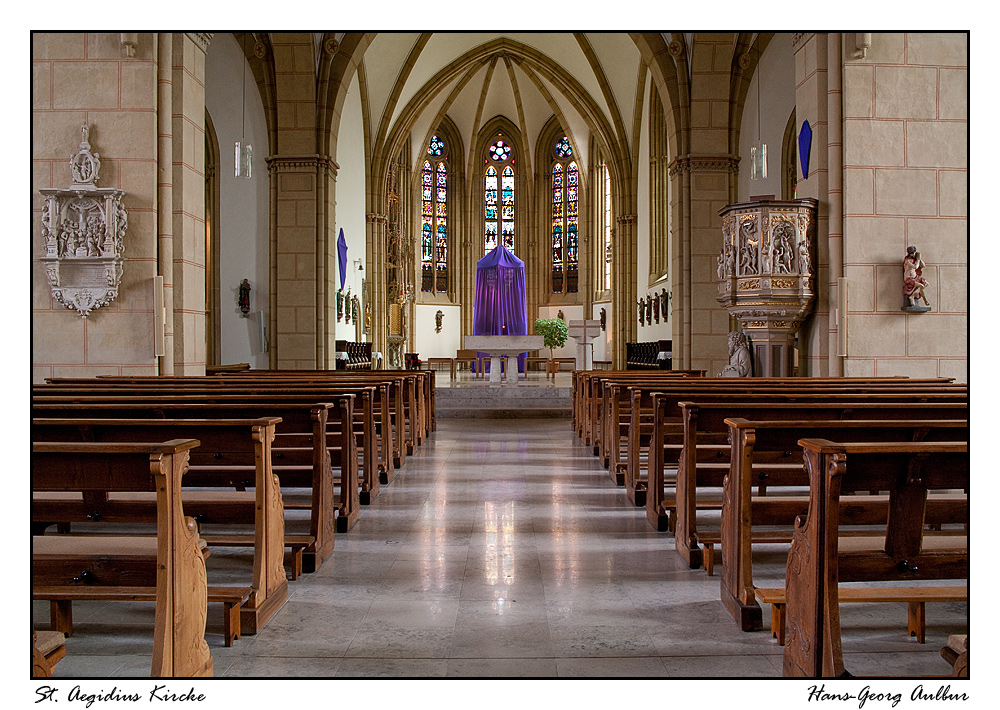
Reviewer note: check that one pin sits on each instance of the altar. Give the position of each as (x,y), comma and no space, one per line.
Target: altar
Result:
(504,346)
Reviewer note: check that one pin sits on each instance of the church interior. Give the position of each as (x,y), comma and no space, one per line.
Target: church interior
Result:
(780,215)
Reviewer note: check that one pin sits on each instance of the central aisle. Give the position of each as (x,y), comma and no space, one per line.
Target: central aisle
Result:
(502,548)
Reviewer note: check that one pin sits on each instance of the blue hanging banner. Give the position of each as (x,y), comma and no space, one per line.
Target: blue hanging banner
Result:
(342,257)
(805,142)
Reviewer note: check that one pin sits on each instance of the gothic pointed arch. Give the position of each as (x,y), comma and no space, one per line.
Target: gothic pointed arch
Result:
(438,182)
(560,206)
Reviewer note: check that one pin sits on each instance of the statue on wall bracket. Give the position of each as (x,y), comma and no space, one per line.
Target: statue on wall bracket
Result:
(914,283)
(83,234)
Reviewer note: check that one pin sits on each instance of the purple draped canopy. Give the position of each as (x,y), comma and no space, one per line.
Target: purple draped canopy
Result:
(501,305)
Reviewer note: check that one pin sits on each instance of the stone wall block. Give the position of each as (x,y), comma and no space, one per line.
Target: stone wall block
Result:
(41,85)
(905,192)
(937,144)
(953,189)
(937,48)
(940,241)
(861,291)
(58,45)
(859,191)
(858,82)
(874,240)
(953,93)
(937,335)
(876,335)
(953,289)
(86,85)
(874,143)
(905,92)
(887,48)
(117,337)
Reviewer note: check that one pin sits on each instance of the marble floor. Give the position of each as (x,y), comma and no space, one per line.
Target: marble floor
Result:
(503,549)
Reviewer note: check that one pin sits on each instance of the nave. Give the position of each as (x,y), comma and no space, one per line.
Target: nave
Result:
(503,549)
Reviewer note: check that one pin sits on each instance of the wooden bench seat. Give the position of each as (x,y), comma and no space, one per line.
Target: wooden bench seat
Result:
(708,417)
(310,468)
(821,559)
(914,597)
(234,454)
(61,599)
(757,442)
(172,563)
(296,544)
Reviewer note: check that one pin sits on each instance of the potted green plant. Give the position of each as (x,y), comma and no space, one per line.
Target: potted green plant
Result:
(555,332)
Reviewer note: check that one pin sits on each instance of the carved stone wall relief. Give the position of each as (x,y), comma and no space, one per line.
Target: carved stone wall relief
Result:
(83,232)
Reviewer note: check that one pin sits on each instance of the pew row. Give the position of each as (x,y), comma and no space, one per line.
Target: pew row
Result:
(782,493)
(233,453)
(821,557)
(170,564)
(307,464)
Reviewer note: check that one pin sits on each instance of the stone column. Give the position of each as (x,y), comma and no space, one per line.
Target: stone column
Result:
(188,201)
(623,287)
(294,262)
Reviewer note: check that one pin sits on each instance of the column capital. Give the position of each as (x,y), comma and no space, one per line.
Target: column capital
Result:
(202,39)
(704,163)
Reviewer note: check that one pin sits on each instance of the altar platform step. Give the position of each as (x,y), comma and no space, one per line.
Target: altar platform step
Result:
(485,401)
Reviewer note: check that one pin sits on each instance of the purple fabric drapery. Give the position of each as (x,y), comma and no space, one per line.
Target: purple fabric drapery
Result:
(501,305)
(342,257)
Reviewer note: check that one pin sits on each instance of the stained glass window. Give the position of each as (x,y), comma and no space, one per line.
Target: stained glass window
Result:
(607,226)
(565,222)
(563,148)
(498,198)
(434,220)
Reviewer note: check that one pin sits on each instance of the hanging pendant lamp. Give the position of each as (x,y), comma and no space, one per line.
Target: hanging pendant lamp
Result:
(244,149)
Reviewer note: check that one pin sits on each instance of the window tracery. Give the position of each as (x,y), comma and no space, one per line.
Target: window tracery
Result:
(498,198)
(434,218)
(565,219)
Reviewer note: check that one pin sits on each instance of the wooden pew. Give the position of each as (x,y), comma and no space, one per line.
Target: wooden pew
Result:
(639,411)
(707,420)
(231,451)
(370,425)
(171,563)
(821,557)
(306,464)
(47,649)
(755,447)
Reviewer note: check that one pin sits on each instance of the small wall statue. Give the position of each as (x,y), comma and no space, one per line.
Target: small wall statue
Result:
(664,304)
(739,356)
(642,311)
(244,297)
(347,306)
(604,320)
(914,282)
(340,304)
(438,319)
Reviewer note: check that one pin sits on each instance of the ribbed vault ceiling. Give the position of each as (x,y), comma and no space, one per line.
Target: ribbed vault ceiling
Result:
(590,81)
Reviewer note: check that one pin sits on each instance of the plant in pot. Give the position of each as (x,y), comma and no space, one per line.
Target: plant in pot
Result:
(555,332)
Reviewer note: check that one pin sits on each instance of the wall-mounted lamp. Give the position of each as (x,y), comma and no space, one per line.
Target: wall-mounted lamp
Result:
(129,41)
(864,40)
(361,266)
(758,152)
